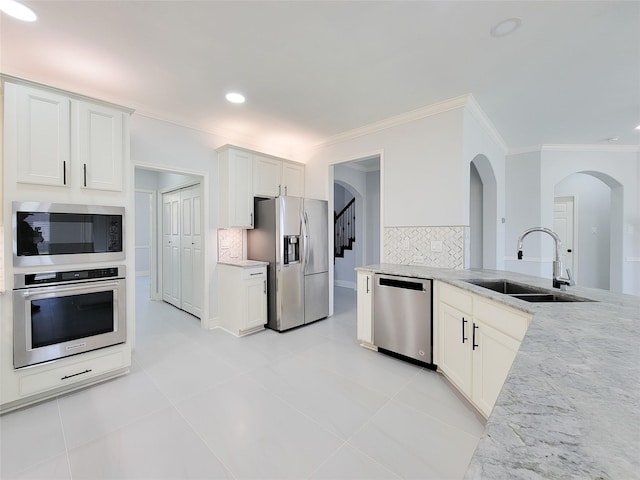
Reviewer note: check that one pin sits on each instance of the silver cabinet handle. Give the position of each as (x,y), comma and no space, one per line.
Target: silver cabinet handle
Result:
(279,190)
(368,283)
(285,190)
(252,219)
(84,167)
(265,287)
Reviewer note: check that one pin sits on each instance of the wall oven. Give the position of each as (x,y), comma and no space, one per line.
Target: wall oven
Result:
(63,313)
(59,234)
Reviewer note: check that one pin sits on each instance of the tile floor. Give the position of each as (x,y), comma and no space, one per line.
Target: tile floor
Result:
(306,404)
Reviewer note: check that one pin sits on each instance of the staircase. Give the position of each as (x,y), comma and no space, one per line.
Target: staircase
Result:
(344,229)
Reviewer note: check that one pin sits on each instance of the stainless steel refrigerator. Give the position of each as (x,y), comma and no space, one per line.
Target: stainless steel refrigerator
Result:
(291,234)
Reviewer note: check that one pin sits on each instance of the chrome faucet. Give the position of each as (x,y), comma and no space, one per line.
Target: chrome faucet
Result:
(558,280)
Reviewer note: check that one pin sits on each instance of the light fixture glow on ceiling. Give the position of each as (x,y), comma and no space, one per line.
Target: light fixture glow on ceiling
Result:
(234,97)
(506,27)
(638,127)
(17,10)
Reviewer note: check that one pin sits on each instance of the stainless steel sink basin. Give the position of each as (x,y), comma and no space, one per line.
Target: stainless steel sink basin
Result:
(527,293)
(507,287)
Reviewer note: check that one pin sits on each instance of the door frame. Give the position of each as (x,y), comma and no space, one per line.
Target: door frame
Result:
(576,231)
(156,267)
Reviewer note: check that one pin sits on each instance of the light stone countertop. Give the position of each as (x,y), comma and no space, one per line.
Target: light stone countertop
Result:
(570,407)
(244,263)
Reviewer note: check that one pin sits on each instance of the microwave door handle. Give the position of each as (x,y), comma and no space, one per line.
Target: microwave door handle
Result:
(68,288)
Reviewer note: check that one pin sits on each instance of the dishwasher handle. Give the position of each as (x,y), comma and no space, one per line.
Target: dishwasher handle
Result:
(404,284)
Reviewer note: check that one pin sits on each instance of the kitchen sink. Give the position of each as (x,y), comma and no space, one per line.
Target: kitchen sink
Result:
(527,293)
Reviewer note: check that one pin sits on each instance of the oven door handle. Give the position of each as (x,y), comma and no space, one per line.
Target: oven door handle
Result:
(75,287)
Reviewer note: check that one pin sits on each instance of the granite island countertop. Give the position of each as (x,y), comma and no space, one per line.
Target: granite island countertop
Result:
(570,406)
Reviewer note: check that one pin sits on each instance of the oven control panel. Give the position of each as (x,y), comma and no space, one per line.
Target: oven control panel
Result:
(24,280)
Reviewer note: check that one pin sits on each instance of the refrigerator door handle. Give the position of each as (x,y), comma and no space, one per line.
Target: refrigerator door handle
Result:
(305,233)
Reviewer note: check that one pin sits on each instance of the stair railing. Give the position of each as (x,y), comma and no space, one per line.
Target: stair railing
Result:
(345,229)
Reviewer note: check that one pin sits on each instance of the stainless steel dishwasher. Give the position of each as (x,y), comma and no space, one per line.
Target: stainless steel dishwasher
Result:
(402,317)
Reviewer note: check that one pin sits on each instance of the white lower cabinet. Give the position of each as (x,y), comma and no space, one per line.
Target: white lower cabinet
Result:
(242,298)
(478,344)
(365,307)
(455,351)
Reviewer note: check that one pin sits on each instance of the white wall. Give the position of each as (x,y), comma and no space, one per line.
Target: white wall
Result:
(593,208)
(484,146)
(475,217)
(372,226)
(530,184)
(422,169)
(165,146)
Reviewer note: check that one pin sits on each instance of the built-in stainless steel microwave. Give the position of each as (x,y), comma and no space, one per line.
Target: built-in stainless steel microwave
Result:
(59,234)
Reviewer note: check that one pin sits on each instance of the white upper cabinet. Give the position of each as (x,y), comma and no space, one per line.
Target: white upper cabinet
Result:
(293,179)
(99,145)
(39,121)
(267,173)
(273,177)
(235,174)
(60,139)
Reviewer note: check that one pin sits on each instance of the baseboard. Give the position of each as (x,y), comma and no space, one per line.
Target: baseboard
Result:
(345,284)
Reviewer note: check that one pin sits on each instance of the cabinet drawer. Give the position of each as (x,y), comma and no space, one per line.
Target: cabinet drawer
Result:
(502,318)
(455,297)
(254,272)
(59,377)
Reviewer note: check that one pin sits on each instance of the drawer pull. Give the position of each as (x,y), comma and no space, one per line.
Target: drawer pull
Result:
(474,345)
(76,374)
(257,273)
(463,323)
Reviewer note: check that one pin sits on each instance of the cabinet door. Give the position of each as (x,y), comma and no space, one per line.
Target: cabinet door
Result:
(455,346)
(256,303)
(492,359)
(364,302)
(171,248)
(266,176)
(99,141)
(42,134)
(292,179)
(240,190)
(191,250)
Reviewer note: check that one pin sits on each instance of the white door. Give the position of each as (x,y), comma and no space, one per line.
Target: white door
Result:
(191,250)
(564,226)
(171,248)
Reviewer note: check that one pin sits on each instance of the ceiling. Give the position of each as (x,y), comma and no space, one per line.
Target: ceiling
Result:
(314,69)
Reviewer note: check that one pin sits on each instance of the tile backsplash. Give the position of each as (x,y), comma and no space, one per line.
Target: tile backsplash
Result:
(445,247)
(230,244)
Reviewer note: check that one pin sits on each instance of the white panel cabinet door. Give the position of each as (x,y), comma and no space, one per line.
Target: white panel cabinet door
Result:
(256,301)
(292,179)
(171,248)
(99,146)
(493,355)
(364,307)
(235,200)
(266,176)
(38,121)
(191,266)
(455,346)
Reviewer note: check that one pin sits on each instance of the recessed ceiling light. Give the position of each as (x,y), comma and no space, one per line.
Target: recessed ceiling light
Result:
(17,10)
(234,97)
(506,27)
(638,127)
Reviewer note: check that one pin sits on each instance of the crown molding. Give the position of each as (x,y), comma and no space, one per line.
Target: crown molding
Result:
(531,149)
(480,116)
(407,117)
(590,148)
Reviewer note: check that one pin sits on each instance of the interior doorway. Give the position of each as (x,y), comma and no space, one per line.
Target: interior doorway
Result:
(483,214)
(356,193)
(175,253)
(597,227)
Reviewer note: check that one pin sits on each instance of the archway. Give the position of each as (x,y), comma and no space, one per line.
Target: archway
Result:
(344,274)
(597,228)
(483,213)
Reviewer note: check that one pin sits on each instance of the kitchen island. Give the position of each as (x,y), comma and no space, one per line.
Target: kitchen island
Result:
(570,406)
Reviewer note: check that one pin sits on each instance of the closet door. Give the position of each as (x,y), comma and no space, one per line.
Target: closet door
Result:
(171,248)
(191,250)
